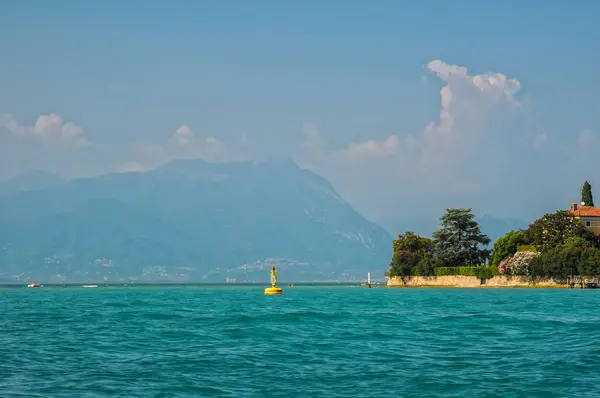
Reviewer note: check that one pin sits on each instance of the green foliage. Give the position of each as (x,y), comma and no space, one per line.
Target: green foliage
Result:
(463,271)
(478,272)
(425,267)
(410,251)
(413,243)
(555,245)
(403,263)
(486,272)
(553,230)
(526,248)
(586,194)
(577,256)
(459,238)
(506,246)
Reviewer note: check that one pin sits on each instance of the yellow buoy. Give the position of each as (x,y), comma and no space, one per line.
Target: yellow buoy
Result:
(273,289)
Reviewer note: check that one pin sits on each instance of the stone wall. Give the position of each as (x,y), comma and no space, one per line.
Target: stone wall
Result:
(470,281)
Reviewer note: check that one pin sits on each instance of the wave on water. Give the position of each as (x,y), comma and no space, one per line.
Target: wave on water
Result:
(308,342)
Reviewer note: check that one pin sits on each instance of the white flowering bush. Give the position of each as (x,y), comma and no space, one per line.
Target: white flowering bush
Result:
(518,264)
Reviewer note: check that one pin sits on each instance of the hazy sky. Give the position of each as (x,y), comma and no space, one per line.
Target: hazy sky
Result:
(408,107)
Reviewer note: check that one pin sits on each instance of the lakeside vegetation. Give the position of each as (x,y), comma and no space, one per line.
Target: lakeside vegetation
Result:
(556,245)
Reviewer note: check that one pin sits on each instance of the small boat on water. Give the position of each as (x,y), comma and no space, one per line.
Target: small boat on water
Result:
(89,286)
(34,284)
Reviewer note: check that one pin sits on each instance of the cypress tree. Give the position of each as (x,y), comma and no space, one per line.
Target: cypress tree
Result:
(586,194)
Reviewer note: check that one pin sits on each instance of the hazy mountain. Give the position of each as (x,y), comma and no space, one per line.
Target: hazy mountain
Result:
(187,220)
(30,181)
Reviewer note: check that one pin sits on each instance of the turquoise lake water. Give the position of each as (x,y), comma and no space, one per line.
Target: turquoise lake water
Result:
(308,342)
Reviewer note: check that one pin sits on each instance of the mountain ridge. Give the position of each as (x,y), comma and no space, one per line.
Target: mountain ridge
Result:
(189,220)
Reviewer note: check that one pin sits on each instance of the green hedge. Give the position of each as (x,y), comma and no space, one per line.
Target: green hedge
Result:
(464,271)
(483,272)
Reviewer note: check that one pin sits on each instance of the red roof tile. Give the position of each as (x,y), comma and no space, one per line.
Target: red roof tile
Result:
(585,211)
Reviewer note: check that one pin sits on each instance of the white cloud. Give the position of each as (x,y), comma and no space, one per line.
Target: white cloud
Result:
(483,145)
(49,126)
(129,167)
(315,143)
(50,143)
(183,136)
(188,143)
(446,71)
(467,104)
(183,144)
(373,148)
(484,149)
(496,85)
(312,138)
(6,120)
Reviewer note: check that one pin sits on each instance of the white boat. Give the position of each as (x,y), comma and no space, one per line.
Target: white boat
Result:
(34,284)
(89,286)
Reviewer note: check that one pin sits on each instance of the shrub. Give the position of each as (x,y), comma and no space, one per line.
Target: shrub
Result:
(443,271)
(518,264)
(485,273)
(478,272)
(503,267)
(403,263)
(506,246)
(426,267)
(464,271)
(410,255)
(577,256)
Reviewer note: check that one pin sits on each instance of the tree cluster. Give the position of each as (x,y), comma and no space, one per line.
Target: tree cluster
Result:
(411,251)
(577,256)
(459,242)
(556,245)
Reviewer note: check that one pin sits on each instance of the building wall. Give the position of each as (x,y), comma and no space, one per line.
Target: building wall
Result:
(592,223)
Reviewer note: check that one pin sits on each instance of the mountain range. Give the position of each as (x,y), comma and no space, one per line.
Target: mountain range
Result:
(187,220)
(190,220)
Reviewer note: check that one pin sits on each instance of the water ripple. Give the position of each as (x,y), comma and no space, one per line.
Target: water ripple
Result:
(309,342)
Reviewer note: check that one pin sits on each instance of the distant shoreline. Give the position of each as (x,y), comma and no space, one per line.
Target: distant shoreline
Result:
(179,284)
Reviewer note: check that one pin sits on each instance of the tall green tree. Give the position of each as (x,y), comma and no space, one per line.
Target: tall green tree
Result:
(458,241)
(586,194)
(554,229)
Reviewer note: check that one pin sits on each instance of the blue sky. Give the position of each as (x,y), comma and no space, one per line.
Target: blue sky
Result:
(341,86)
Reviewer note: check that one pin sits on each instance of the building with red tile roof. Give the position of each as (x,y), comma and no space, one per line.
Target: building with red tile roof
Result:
(588,215)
